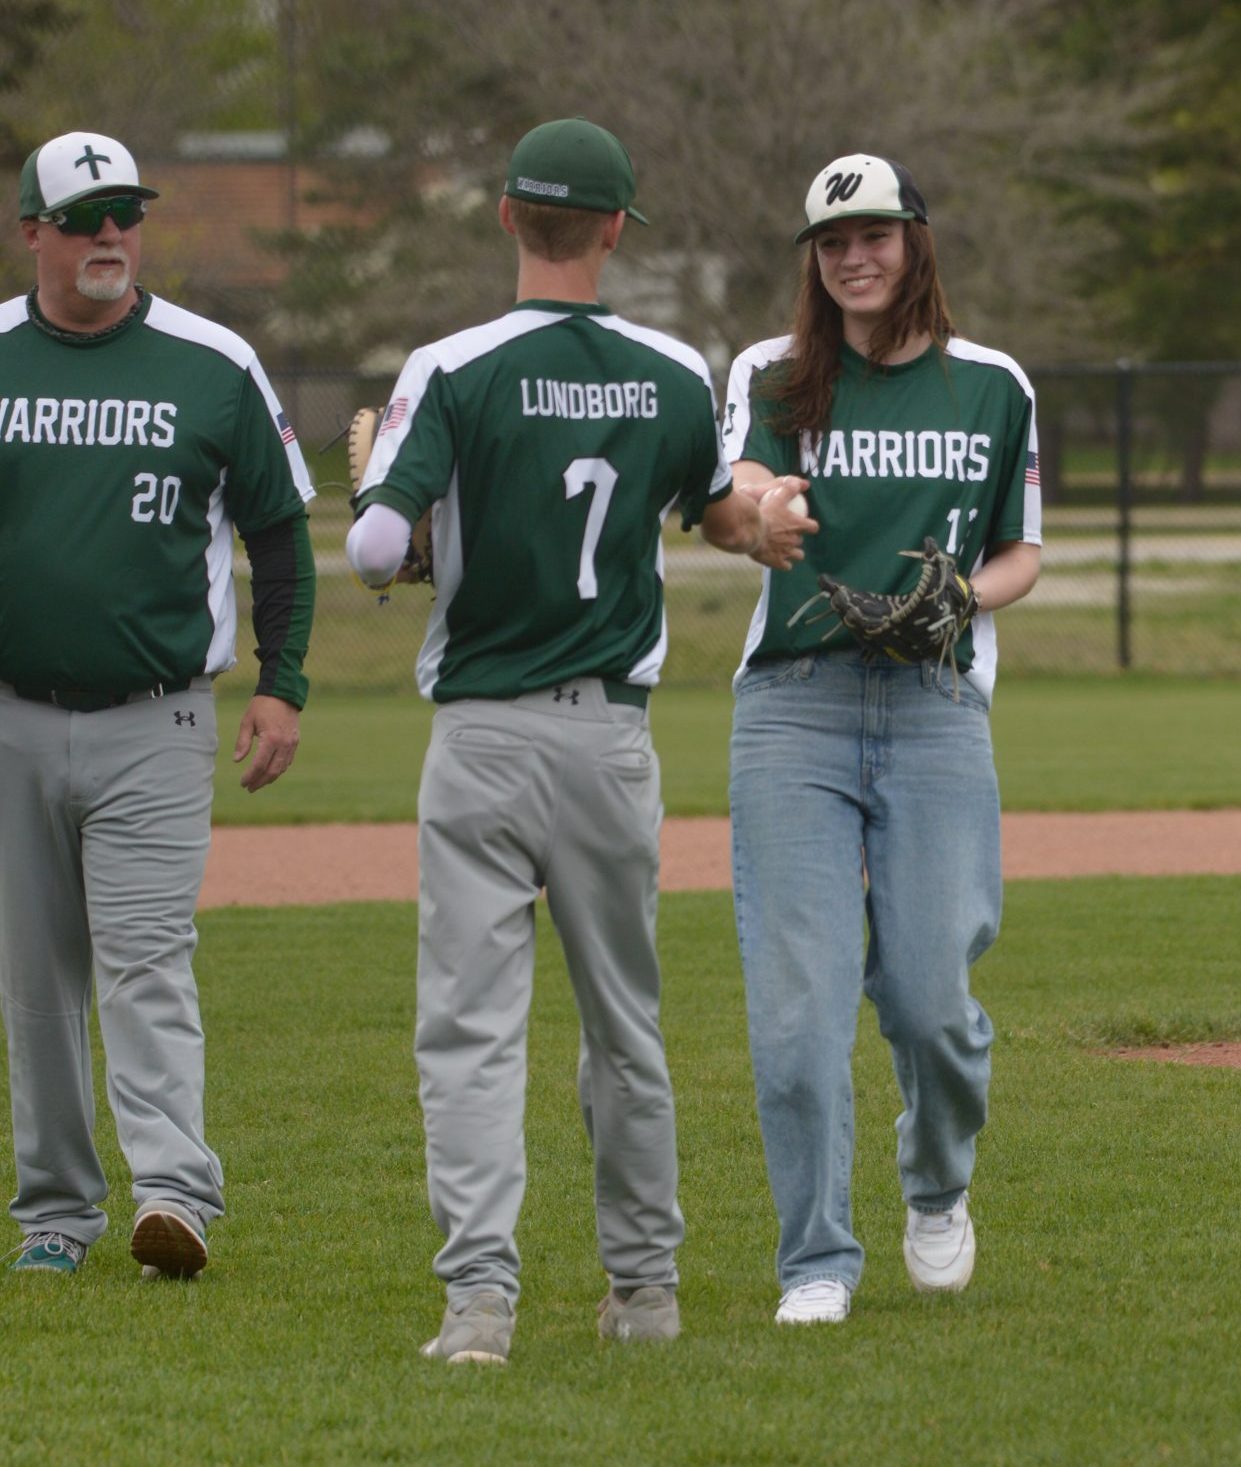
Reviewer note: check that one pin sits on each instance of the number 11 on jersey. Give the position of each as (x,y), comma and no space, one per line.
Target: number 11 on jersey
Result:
(599,475)
(954,525)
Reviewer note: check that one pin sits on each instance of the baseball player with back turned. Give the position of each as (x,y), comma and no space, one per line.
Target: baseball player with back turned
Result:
(551,443)
(133,436)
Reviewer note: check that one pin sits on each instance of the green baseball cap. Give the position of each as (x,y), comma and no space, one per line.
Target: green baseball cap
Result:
(574,165)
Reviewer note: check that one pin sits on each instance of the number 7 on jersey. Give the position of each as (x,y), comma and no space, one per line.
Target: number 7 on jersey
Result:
(599,475)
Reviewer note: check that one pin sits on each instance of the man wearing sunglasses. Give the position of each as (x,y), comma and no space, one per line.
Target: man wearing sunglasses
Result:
(134,436)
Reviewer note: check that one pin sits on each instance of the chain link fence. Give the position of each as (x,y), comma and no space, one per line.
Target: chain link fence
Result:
(1141,468)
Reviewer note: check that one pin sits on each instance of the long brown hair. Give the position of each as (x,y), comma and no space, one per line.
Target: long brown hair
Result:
(806,381)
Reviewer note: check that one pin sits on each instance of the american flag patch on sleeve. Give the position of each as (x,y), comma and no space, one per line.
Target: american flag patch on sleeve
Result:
(287,434)
(394,414)
(1032,479)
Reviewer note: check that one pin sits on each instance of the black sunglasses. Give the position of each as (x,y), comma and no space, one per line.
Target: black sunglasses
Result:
(87,215)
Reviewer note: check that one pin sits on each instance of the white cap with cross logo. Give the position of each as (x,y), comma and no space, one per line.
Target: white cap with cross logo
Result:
(75,166)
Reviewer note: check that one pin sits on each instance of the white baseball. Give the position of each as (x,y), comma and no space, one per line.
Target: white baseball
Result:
(798,504)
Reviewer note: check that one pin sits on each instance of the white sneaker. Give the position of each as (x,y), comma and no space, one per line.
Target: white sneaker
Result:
(939,1248)
(822,1301)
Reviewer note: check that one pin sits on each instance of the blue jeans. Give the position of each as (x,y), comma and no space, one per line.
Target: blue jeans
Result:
(862,795)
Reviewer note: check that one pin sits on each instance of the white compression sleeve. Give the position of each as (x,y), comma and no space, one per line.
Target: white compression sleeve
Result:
(376,545)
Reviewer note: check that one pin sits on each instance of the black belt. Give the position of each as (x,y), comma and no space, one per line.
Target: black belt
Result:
(87,700)
(630,693)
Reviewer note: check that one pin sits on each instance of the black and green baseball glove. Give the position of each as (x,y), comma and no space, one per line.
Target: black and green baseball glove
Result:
(921,625)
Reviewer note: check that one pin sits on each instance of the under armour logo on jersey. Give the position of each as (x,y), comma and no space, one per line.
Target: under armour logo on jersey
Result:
(562,695)
(179,718)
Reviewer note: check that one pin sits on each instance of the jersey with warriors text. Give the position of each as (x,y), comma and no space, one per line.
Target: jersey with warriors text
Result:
(125,460)
(552,443)
(944,445)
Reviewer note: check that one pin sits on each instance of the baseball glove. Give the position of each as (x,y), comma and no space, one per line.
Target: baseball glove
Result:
(361,440)
(917,626)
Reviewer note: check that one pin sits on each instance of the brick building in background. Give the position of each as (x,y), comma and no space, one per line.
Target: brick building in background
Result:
(211,239)
(210,243)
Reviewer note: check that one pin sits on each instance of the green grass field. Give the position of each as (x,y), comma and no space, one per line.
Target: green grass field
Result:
(1061,744)
(1104,1321)
(1102,1328)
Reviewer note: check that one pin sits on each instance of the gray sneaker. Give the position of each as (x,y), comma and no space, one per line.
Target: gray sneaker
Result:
(480,1330)
(169,1240)
(648,1313)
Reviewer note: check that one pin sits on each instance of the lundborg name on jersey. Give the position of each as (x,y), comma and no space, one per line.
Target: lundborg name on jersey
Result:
(887,454)
(545,398)
(86,421)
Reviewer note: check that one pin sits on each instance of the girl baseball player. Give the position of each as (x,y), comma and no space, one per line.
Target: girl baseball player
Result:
(864,800)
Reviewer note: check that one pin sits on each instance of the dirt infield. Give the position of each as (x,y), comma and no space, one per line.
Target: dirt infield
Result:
(309,864)
(1224,1054)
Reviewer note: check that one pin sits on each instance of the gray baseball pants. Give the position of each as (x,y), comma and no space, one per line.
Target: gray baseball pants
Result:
(559,789)
(104,825)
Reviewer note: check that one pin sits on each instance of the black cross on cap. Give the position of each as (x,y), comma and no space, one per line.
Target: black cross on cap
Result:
(92,160)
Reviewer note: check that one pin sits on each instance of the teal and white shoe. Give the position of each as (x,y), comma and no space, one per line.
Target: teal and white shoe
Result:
(169,1240)
(50,1253)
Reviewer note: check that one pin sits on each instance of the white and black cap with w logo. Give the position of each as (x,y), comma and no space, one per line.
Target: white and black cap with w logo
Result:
(861,184)
(74,166)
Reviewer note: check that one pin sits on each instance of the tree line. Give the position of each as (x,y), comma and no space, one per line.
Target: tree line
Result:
(1079,158)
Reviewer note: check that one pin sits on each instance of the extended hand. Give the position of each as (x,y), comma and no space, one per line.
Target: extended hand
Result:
(274,724)
(786,520)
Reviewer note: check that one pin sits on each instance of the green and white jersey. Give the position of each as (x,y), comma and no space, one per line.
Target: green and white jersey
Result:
(945,445)
(125,460)
(552,443)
